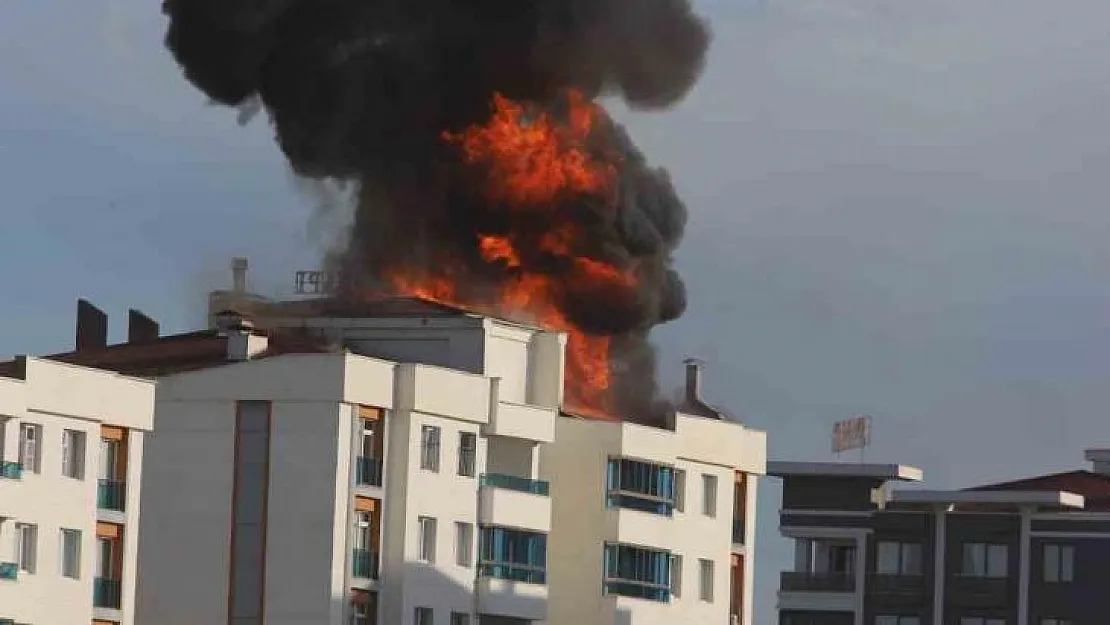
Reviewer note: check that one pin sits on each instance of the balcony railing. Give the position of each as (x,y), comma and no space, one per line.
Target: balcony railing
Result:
(896,584)
(9,570)
(364,564)
(10,470)
(638,589)
(106,593)
(111,495)
(368,471)
(979,591)
(514,572)
(817,582)
(512,482)
(738,531)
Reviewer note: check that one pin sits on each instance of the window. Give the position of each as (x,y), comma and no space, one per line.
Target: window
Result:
(680,490)
(73,454)
(427,539)
(984,560)
(513,554)
(109,459)
(360,615)
(71,554)
(468,448)
(249,503)
(705,581)
(895,558)
(26,546)
(709,495)
(107,564)
(640,486)
(676,575)
(1055,621)
(460,618)
(423,616)
(980,620)
(464,539)
(29,439)
(888,619)
(429,448)
(1059,563)
(637,572)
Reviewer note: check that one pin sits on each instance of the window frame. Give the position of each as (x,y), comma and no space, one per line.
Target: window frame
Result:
(30,447)
(427,537)
(987,549)
(464,544)
(69,570)
(423,615)
(1064,570)
(901,569)
(710,494)
(27,547)
(431,443)
(460,618)
(897,619)
(468,455)
(676,575)
(73,454)
(706,575)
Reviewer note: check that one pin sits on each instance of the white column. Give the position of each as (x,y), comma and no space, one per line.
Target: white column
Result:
(939,550)
(1024,565)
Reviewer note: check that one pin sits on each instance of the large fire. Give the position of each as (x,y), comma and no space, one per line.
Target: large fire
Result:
(530,163)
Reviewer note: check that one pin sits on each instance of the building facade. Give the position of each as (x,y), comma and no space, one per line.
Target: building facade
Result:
(403,463)
(1028,552)
(71,449)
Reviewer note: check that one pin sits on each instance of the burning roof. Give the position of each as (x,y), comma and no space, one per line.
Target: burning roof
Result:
(487,175)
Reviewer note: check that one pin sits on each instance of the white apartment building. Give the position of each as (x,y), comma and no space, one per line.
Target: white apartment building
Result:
(71,448)
(410,477)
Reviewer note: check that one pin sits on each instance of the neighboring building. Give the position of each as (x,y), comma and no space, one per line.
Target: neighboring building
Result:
(1030,552)
(71,449)
(400,462)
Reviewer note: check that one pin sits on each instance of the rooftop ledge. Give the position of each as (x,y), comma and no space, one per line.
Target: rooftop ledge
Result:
(901,472)
(1059,499)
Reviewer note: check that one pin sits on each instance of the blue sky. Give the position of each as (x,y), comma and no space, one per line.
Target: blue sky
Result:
(896,208)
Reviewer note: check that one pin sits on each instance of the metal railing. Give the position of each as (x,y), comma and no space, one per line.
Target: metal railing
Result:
(111,495)
(9,570)
(738,531)
(10,470)
(896,583)
(641,501)
(364,564)
(106,593)
(817,582)
(514,572)
(368,471)
(638,589)
(512,482)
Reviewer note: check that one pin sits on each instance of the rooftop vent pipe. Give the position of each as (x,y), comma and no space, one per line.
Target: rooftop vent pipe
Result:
(239,274)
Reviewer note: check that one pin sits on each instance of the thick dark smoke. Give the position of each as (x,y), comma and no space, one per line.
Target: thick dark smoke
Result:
(362,90)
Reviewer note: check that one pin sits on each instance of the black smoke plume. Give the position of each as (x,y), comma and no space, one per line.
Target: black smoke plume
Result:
(362,90)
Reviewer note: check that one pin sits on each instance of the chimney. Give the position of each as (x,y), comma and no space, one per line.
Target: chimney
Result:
(239,274)
(140,328)
(1099,459)
(693,381)
(242,342)
(92,326)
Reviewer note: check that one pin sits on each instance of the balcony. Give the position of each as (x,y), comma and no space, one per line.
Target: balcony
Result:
(364,564)
(519,484)
(111,495)
(641,502)
(10,470)
(891,584)
(523,600)
(804,581)
(979,592)
(9,570)
(106,593)
(638,589)
(513,572)
(738,531)
(368,471)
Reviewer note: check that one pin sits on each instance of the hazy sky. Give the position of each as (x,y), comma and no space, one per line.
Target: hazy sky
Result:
(896,209)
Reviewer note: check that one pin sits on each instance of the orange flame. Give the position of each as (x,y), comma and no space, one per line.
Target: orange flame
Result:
(530,165)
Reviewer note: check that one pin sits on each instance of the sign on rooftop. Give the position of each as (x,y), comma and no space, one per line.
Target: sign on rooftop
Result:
(854,433)
(313,282)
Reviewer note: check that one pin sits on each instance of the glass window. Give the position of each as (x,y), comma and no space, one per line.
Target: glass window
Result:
(429,448)
(427,539)
(709,495)
(890,619)
(676,575)
(27,546)
(984,560)
(680,490)
(637,572)
(423,616)
(460,618)
(705,583)
(1059,563)
(73,454)
(464,541)
(71,553)
(29,440)
(468,449)
(897,558)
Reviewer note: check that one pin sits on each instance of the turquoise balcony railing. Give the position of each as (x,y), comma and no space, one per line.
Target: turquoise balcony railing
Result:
(111,495)
(514,572)
(512,482)
(106,593)
(10,470)
(364,564)
(8,570)
(368,471)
